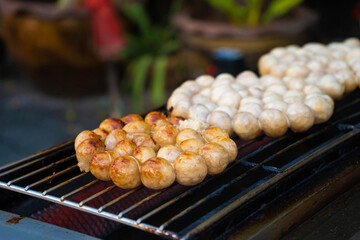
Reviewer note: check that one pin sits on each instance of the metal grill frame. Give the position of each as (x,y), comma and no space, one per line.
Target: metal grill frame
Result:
(275,175)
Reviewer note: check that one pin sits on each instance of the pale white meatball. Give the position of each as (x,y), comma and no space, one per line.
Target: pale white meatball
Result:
(210,105)
(278,88)
(191,85)
(250,100)
(296,84)
(217,92)
(253,108)
(266,63)
(270,97)
(175,98)
(220,119)
(297,71)
(273,122)
(205,81)
(312,89)
(321,106)
(190,169)
(246,125)
(206,92)
(227,109)
(315,66)
(199,112)
(331,86)
(347,79)
(300,116)
(279,105)
(230,98)
(278,52)
(256,90)
(247,78)
(169,152)
(200,99)
(268,80)
(181,109)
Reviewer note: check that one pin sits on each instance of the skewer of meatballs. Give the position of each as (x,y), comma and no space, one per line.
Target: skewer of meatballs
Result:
(155,151)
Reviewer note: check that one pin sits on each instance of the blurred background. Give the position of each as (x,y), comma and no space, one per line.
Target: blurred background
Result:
(65,65)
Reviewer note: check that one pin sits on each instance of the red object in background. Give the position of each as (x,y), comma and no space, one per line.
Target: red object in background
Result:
(211,70)
(107,32)
(356,11)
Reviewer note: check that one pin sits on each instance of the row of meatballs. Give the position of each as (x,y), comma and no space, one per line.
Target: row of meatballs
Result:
(155,151)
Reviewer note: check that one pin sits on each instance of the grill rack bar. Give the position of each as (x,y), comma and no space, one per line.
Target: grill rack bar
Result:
(278,174)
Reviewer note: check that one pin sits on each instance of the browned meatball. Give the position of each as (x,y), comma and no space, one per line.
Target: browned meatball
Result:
(125,148)
(191,145)
(175,120)
(273,122)
(165,134)
(131,118)
(125,172)
(86,150)
(157,173)
(114,138)
(188,133)
(190,168)
(83,136)
(146,140)
(137,127)
(100,165)
(246,125)
(216,157)
(110,124)
(143,153)
(229,145)
(152,117)
(213,132)
(101,133)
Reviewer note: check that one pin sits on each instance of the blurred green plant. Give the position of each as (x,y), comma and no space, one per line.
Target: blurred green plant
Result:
(148,49)
(253,12)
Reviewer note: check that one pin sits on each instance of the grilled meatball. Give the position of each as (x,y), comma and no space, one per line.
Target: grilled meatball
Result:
(114,137)
(229,145)
(175,120)
(131,118)
(110,124)
(143,153)
(152,117)
(146,140)
(190,168)
(213,132)
(187,133)
(125,172)
(191,145)
(157,173)
(86,150)
(102,134)
(137,127)
(83,136)
(125,148)
(100,165)
(216,157)
(165,134)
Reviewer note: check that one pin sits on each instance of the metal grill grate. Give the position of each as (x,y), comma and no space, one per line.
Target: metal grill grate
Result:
(183,212)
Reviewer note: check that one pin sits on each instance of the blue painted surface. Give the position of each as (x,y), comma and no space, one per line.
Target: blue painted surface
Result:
(31,229)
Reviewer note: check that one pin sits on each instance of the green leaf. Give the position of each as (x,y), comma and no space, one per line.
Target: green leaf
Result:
(139,71)
(157,88)
(234,11)
(278,8)
(254,11)
(136,13)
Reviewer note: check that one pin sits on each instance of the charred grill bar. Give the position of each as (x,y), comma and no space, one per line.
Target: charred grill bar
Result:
(268,174)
